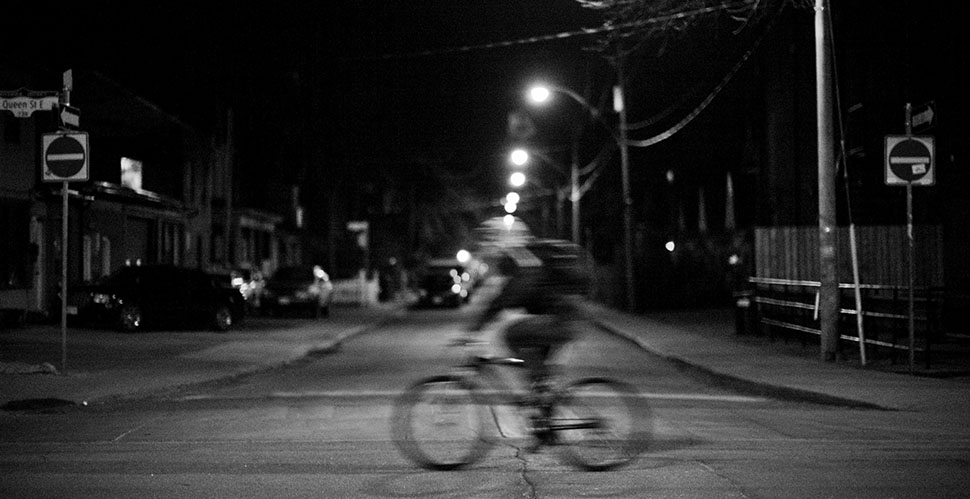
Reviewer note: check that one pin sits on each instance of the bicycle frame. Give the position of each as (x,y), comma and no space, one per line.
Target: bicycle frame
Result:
(486,375)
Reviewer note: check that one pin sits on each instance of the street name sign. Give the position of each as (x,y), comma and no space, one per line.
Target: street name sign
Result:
(23,106)
(910,160)
(65,157)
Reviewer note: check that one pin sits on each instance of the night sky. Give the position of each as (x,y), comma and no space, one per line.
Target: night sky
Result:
(346,88)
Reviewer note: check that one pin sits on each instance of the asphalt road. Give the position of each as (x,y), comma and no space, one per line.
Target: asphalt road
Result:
(318,428)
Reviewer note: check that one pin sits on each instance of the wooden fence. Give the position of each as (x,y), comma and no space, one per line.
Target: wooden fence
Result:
(784,290)
(793,253)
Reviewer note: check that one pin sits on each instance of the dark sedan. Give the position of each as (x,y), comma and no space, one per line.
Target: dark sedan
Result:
(443,282)
(305,287)
(153,295)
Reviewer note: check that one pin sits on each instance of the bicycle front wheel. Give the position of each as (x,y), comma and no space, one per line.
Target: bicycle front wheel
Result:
(439,424)
(599,423)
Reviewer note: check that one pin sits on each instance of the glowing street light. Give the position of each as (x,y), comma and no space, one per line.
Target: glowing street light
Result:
(519,157)
(517,179)
(539,93)
(510,208)
(512,197)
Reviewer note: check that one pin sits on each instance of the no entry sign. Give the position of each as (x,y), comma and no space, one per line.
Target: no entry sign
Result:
(65,157)
(910,159)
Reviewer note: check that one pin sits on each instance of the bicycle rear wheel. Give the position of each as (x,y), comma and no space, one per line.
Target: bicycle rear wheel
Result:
(599,423)
(439,424)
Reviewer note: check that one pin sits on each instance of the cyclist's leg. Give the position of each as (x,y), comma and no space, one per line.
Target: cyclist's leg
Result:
(528,339)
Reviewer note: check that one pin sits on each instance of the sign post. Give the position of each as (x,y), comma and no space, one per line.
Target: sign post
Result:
(910,161)
(65,160)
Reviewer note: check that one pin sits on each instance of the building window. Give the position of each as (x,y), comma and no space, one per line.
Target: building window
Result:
(131,173)
(96,256)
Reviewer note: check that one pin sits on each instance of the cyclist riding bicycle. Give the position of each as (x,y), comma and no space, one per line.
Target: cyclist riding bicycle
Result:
(544,277)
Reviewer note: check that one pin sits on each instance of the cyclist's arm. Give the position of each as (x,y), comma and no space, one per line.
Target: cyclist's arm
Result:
(513,294)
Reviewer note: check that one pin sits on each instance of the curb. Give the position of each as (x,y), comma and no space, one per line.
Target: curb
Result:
(740,384)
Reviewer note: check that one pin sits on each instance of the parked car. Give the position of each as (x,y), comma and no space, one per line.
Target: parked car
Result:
(152,295)
(250,284)
(305,287)
(443,282)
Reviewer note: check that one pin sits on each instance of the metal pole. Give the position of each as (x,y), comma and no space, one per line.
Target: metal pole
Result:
(574,199)
(620,102)
(828,249)
(67,87)
(64,276)
(910,245)
(574,195)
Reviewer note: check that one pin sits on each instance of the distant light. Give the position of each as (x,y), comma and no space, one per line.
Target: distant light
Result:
(618,98)
(670,176)
(517,179)
(318,272)
(539,94)
(510,208)
(463,256)
(456,288)
(519,157)
(670,246)
(734,259)
(512,197)
(508,220)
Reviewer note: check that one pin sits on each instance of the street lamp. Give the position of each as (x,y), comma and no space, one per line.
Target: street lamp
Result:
(540,94)
(519,157)
(517,179)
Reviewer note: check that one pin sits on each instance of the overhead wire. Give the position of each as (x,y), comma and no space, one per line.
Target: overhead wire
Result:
(670,132)
(555,36)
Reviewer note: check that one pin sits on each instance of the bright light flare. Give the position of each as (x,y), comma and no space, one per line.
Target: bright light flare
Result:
(463,256)
(517,179)
(670,246)
(519,157)
(539,94)
(512,197)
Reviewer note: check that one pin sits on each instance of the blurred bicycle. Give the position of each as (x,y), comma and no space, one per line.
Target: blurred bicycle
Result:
(450,421)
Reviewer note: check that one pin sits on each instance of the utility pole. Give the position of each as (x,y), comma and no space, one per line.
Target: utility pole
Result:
(827,220)
(619,102)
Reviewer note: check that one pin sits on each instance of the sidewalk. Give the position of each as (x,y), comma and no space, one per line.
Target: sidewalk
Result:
(104,364)
(705,343)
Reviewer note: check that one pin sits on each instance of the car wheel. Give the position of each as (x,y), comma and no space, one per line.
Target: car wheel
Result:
(130,318)
(222,318)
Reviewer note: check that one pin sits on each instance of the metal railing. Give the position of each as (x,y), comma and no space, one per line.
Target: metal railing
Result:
(792,305)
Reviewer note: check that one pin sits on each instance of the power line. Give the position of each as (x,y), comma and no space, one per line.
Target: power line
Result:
(553,37)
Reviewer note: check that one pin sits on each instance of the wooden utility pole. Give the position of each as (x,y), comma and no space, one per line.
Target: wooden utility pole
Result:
(827,220)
